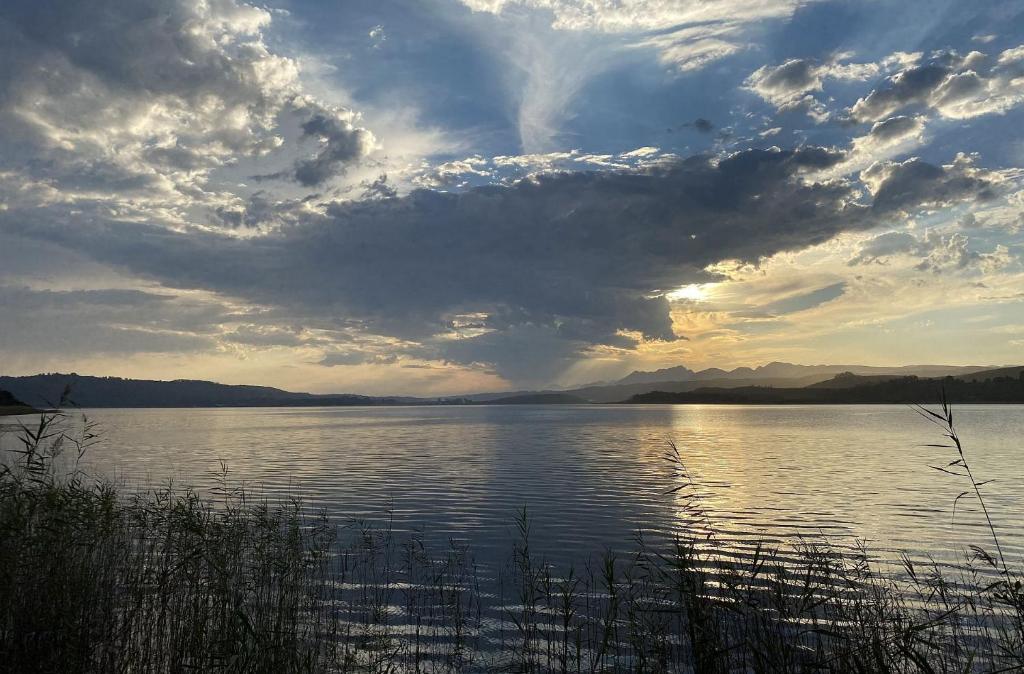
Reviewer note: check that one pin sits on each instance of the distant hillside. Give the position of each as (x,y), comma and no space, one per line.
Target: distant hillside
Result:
(778,370)
(850,380)
(620,392)
(678,373)
(614,393)
(539,399)
(10,405)
(45,390)
(846,389)
(992,374)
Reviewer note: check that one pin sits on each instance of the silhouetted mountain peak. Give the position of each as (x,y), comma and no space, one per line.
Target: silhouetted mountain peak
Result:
(677,373)
(782,370)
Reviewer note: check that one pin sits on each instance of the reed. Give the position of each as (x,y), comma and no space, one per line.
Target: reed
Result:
(97,579)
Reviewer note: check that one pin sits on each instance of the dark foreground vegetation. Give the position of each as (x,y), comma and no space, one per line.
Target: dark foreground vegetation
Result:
(851,389)
(94,580)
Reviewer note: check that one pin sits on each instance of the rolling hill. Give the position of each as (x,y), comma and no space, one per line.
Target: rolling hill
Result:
(9,405)
(990,386)
(45,390)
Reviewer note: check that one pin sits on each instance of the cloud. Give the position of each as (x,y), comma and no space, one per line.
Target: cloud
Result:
(545,74)
(107,321)
(462,173)
(264,336)
(950,252)
(351,357)
(262,210)
(694,46)
(137,102)
(803,301)
(785,85)
(886,139)
(377,36)
(896,129)
(792,85)
(934,251)
(555,48)
(915,184)
(341,143)
(879,249)
(452,173)
(527,353)
(952,85)
(640,15)
(575,260)
(703,125)
(378,188)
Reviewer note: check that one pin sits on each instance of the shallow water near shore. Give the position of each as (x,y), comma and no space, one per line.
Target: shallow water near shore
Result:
(592,477)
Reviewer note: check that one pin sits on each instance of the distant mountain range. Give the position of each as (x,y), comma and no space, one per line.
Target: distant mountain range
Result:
(677,384)
(682,379)
(778,370)
(1003,385)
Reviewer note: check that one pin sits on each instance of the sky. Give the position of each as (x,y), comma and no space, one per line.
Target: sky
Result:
(436,197)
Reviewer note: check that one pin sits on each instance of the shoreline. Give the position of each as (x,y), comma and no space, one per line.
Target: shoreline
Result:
(18,410)
(5,411)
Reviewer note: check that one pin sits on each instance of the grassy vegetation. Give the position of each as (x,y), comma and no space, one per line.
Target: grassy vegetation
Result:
(96,580)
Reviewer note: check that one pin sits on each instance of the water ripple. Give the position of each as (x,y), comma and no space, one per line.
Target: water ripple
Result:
(592,476)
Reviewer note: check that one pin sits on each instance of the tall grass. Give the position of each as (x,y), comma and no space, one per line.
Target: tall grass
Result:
(93,579)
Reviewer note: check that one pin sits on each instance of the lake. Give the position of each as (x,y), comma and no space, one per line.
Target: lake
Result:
(591,477)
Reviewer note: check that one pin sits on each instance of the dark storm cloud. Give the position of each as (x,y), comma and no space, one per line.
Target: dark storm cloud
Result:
(702,125)
(524,353)
(551,266)
(913,85)
(915,183)
(590,246)
(341,144)
(531,275)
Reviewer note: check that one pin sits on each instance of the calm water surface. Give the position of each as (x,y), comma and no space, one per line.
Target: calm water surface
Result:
(592,476)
